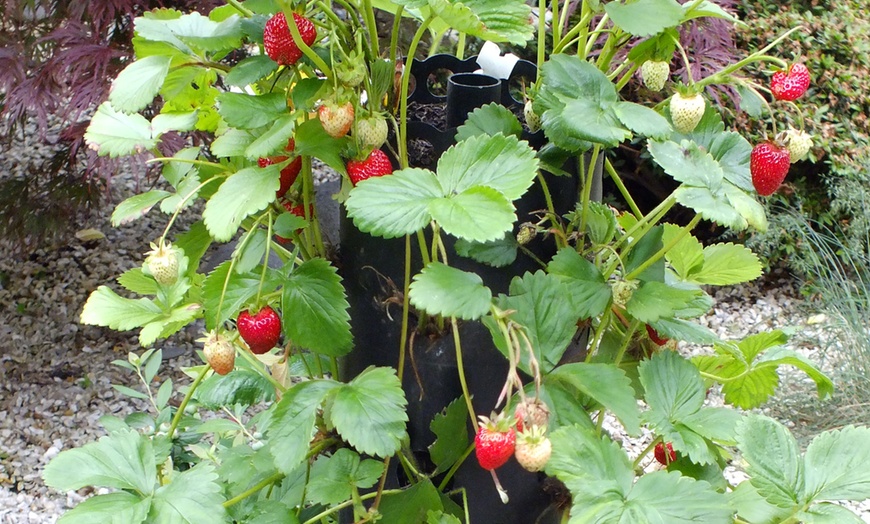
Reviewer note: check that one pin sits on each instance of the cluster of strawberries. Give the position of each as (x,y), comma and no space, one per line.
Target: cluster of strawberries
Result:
(769,160)
(522,436)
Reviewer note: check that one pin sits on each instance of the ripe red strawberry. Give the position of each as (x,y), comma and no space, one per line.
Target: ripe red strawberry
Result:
(336,119)
(219,353)
(278,41)
(494,443)
(768,165)
(377,164)
(162,263)
(654,336)
(531,413)
(533,449)
(791,84)
(260,331)
(663,458)
(289,173)
(686,111)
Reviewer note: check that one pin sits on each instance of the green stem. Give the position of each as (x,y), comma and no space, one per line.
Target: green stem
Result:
(626,77)
(758,56)
(256,364)
(551,208)
(650,219)
(403,93)
(626,341)
(587,187)
(585,11)
(268,481)
(180,206)
(240,8)
(575,31)
(406,308)
(265,259)
(394,36)
(187,396)
(685,58)
(667,247)
(603,324)
(335,509)
(460,368)
(306,50)
(369,13)
(542,32)
(307,199)
(645,451)
(455,467)
(460,46)
(622,189)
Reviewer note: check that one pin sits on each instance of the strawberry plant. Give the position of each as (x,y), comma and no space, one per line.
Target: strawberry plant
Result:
(588,334)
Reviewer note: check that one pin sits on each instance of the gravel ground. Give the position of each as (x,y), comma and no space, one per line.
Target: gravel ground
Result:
(56,376)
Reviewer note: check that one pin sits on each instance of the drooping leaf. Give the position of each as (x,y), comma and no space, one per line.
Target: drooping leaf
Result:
(123,460)
(394,205)
(292,424)
(478,214)
(136,86)
(192,30)
(711,206)
(775,466)
(116,134)
(443,290)
(232,142)
(606,384)
(321,323)
(192,496)
(274,140)
(491,119)
(643,120)
(369,412)
(679,329)
(137,206)
(781,356)
(106,308)
(496,253)
(242,194)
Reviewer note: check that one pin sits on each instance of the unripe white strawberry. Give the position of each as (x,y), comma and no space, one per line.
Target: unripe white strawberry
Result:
(372,132)
(622,291)
(798,144)
(219,353)
(655,74)
(533,449)
(533,120)
(336,118)
(686,111)
(162,263)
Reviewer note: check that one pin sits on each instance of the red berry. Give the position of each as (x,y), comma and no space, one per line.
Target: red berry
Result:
(289,173)
(494,443)
(768,165)
(377,164)
(279,42)
(663,458)
(654,336)
(260,331)
(792,84)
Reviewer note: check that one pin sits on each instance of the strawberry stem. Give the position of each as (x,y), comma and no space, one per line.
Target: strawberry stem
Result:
(502,493)
(189,395)
(460,368)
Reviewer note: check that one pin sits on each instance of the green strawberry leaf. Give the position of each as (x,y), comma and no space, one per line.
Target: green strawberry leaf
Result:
(245,111)
(451,435)
(645,17)
(561,398)
(495,20)
(837,465)
(250,70)
(606,384)
(829,513)
(411,505)
(686,162)
(501,162)
(672,498)
(241,386)
(235,288)
(727,264)
(491,119)
(273,141)
(600,223)
(672,385)
(191,32)
(106,308)
(136,281)
(752,507)
(292,424)
(589,464)
(369,412)
(711,206)
(708,9)
(117,134)
(394,205)
(241,195)
(312,140)
(333,478)
(643,120)
(232,142)
(642,250)
(479,214)
(111,507)
(687,255)
(442,290)
(775,466)
(538,302)
(123,460)
(137,206)
(315,296)
(679,329)
(138,84)
(655,300)
(495,253)
(191,496)
(587,287)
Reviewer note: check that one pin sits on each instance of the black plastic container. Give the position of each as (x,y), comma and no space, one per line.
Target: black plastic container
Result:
(373,272)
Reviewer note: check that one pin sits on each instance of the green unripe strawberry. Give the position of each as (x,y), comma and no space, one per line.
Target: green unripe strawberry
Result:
(533,120)
(351,71)
(162,264)
(686,111)
(798,144)
(622,291)
(655,74)
(371,132)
